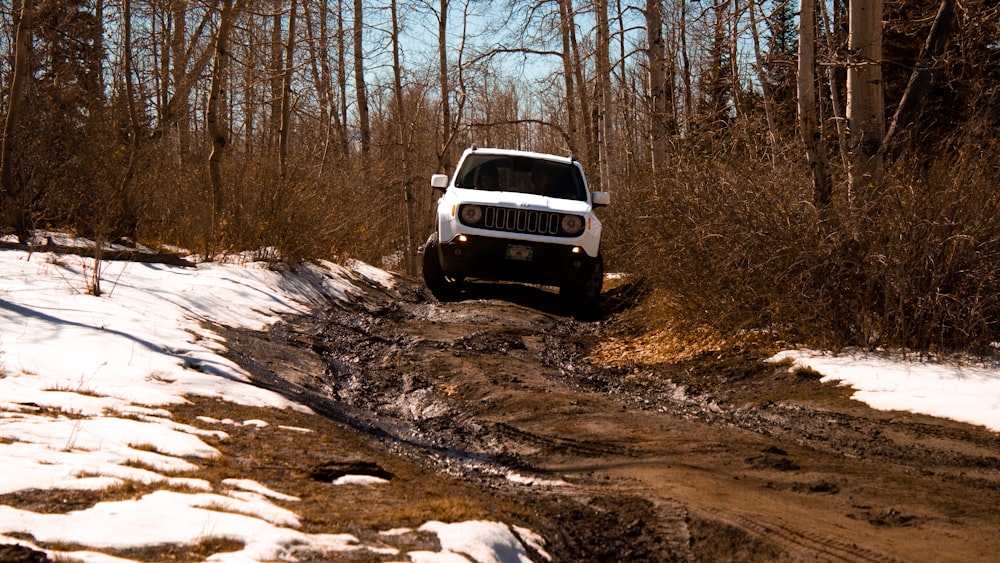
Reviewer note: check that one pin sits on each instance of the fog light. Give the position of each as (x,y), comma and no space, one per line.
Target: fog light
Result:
(458,252)
(576,250)
(462,238)
(576,264)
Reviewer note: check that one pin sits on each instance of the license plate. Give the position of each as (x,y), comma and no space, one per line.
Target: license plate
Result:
(520,252)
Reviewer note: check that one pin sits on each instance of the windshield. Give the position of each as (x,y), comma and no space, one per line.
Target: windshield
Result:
(521,174)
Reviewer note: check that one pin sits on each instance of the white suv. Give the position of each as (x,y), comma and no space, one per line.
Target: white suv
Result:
(516,216)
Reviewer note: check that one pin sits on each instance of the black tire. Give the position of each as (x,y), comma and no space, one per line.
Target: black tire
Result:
(440,285)
(589,291)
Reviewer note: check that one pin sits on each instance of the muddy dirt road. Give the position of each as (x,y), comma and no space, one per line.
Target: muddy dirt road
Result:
(718,458)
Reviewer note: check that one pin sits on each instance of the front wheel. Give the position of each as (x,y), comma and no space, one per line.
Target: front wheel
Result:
(443,287)
(589,291)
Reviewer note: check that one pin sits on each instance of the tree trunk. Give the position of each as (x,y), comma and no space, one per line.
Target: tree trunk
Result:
(99,42)
(920,79)
(319,62)
(402,124)
(274,67)
(865,105)
(359,80)
(443,83)
(318,47)
(624,129)
(602,105)
(808,121)
(565,30)
(835,81)
(689,110)
(656,56)
(12,199)
(216,128)
(286,95)
(586,115)
(129,224)
(175,111)
(765,84)
(734,59)
(342,78)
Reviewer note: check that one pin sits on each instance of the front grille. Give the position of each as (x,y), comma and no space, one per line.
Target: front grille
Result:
(521,221)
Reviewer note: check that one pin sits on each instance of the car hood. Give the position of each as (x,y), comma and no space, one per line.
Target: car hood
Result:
(518,200)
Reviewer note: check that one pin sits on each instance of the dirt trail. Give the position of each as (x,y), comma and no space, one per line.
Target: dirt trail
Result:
(723,457)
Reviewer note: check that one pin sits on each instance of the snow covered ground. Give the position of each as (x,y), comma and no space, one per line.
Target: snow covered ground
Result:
(965,391)
(86,386)
(87,383)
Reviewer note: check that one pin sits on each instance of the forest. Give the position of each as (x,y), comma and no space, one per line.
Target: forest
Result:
(823,173)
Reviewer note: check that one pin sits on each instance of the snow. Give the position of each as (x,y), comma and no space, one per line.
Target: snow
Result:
(87,384)
(962,391)
(366,480)
(485,542)
(86,388)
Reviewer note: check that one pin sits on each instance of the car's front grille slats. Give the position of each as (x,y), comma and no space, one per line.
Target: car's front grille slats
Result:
(527,221)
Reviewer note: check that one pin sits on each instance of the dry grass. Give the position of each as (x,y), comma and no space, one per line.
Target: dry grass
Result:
(736,245)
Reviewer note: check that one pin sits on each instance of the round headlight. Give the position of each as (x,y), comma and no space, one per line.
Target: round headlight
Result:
(471,214)
(571,224)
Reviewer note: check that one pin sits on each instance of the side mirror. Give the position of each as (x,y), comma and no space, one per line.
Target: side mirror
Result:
(439,181)
(600,199)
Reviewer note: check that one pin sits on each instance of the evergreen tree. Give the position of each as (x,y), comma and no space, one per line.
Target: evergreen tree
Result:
(63,112)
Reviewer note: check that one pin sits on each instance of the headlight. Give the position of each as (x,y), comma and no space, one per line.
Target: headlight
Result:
(471,214)
(571,224)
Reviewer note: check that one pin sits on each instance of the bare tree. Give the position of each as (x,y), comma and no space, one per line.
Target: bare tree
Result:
(735,18)
(658,88)
(286,94)
(443,82)
(342,76)
(217,131)
(186,74)
(865,104)
(319,64)
(566,32)
(402,130)
(125,195)
(835,82)
(275,75)
(581,133)
(920,79)
(762,78)
(364,124)
(176,107)
(602,105)
(808,121)
(682,32)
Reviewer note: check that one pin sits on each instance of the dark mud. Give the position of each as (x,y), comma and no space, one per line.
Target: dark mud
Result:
(723,457)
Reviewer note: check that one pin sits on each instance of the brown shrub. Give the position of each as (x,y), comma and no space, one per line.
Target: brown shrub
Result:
(737,243)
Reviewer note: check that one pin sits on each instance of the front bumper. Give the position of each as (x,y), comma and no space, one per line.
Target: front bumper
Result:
(516,260)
